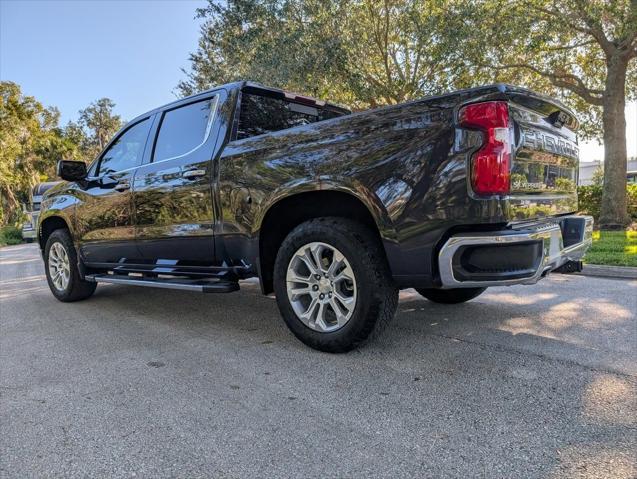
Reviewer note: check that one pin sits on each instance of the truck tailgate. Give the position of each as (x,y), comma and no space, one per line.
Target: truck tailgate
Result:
(544,169)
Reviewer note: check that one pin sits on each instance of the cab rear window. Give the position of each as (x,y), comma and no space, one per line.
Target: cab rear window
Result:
(263,114)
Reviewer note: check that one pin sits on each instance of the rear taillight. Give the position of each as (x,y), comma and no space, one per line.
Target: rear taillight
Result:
(491,164)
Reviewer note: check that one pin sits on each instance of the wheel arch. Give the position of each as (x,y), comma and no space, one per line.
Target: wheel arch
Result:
(48,225)
(285,212)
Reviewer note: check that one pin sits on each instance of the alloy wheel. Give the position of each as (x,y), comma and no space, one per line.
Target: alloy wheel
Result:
(321,287)
(59,266)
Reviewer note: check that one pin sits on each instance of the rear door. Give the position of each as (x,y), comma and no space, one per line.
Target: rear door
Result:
(105,215)
(173,193)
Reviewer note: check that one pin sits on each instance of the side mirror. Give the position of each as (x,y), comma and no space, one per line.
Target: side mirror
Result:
(71,170)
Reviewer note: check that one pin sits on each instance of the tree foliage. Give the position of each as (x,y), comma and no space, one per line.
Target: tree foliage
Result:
(31,143)
(559,48)
(97,124)
(359,52)
(368,52)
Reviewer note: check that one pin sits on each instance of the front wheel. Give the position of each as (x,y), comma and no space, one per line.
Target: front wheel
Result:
(450,296)
(62,272)
(333,285)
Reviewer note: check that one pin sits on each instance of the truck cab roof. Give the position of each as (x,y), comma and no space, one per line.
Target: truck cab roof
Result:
(256,88)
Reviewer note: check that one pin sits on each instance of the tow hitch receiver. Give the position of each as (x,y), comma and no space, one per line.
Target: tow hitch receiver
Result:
(569,267)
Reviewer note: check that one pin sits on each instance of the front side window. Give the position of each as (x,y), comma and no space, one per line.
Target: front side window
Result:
(184,129)
(127,151)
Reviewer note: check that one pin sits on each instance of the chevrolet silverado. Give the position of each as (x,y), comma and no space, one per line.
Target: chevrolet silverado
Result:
(333,211)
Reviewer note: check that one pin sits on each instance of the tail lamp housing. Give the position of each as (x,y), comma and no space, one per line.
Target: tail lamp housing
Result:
(491,164)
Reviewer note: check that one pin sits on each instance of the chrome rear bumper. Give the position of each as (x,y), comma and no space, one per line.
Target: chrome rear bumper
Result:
(562,239)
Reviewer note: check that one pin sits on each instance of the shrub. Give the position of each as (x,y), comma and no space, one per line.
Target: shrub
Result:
(590,200)
(10,235)
(632,201)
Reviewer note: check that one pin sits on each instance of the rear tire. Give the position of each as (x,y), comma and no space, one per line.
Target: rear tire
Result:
(62,272)
(450,296)
(345,262)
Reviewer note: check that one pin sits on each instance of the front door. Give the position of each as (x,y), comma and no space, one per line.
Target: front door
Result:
(173,193)
(104,215)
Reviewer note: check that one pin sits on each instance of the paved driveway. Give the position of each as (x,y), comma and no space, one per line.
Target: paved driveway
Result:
(530,381)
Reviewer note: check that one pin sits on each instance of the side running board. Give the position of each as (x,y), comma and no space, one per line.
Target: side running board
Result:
(200,285)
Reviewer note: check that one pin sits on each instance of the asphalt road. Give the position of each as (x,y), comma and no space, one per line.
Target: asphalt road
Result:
(530,381)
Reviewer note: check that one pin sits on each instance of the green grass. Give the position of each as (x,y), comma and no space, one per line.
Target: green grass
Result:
(10,235)
(615,248)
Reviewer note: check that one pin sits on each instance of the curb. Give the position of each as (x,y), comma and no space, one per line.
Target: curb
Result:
(602,271)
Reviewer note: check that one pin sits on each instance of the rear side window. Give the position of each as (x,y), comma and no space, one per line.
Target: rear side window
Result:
(127,151)
(184,129)
(262,114)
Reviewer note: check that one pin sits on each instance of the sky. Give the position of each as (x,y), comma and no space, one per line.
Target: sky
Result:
(70,53)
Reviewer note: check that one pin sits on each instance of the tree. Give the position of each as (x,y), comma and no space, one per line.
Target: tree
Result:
(359,52)
(581,50)
(30,145)
(598,176)
(97,124)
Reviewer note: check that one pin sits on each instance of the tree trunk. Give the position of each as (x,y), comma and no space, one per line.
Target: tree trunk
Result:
(614,213)
(10,206)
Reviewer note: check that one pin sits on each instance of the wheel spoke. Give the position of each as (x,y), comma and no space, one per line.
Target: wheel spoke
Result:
(346,301)
(346,275)
(337,262)
(293,277)
(319,321)
(341,317)
(308,313)
(316,251)
(296,293)
(306,257)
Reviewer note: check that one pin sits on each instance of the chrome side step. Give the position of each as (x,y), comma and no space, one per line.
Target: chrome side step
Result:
(200,285)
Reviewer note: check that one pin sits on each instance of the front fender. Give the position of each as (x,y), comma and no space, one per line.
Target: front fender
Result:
(59,205)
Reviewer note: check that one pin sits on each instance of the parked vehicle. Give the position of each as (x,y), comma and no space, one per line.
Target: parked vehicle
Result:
(33,211)
(333,211)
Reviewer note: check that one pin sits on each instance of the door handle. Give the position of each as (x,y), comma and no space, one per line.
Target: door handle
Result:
(123,186)
(191,174)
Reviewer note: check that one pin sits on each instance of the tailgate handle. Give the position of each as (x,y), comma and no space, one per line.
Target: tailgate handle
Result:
(191,174)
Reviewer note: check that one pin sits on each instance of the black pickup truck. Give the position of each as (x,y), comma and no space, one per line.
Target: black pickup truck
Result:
(333,211)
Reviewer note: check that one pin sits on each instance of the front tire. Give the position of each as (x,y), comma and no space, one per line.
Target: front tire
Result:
(62,272)
(450,296)
(333,285)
